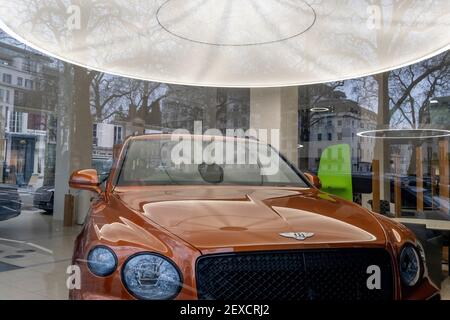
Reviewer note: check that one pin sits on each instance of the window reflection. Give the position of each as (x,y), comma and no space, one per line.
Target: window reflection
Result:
(33,88)
(410,98)
(374,140)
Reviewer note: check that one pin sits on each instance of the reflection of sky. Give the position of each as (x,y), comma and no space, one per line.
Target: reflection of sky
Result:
(364,91)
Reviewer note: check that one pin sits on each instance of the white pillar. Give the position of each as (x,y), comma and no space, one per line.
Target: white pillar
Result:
(381,148)
(277,108)
(73,145)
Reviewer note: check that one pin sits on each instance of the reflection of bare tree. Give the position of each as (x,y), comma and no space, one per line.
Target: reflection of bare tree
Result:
(401,96)
(391,30)
(365,92)
(412,87)
(144,101)
(396,19)
(49,18)
(398,90)
(407,91)
(231,106)
(107,93)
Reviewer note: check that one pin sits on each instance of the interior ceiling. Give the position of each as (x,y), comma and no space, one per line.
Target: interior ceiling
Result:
(233,43)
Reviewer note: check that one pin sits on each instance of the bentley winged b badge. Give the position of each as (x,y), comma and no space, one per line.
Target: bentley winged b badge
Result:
(297,235)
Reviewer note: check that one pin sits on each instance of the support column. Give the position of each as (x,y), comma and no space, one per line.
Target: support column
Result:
(277,108)
(74,139)
(3,123)
(381,150)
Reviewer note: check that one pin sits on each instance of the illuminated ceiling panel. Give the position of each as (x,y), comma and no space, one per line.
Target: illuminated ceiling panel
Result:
(233,43)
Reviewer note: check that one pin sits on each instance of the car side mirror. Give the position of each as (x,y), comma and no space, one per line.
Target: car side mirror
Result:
(86,179)
(315,181)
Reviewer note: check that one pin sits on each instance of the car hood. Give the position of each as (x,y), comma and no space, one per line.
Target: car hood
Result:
(250,217)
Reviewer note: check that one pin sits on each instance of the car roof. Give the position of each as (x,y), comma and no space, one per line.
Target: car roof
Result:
(169,136)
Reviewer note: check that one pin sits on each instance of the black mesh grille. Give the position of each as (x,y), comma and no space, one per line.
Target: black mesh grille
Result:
(294,275)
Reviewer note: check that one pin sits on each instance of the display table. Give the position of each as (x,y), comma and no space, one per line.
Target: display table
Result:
(440,225)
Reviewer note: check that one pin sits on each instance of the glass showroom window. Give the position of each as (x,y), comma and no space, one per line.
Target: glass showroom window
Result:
(343,113)
(354,113)
(377,136)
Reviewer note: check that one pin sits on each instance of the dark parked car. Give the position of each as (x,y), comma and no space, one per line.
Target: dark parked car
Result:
(10,203)
(43,198)
(409,193)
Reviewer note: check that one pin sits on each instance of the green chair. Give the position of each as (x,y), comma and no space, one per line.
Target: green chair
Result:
(335,171)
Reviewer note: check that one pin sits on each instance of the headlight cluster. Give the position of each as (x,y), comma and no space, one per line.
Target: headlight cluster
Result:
(410,265)
(102,261)
(151,276)
(145,275)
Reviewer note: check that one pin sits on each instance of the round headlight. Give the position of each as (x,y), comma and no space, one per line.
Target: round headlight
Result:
(410,266)
(151,276)
(102,261)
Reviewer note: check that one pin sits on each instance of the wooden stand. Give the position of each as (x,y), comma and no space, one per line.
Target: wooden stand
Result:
(444,194)
(68,210)
(376,186)
(419,178)
(397,187)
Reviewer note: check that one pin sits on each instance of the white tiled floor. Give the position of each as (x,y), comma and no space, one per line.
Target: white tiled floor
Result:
(43,273)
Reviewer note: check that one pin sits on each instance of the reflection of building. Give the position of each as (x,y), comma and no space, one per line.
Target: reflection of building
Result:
(439,118)
(105,136)
(28,93)
(440,112)
(338,121)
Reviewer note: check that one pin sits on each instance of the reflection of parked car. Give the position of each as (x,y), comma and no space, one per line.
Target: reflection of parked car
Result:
(43,198)
(161,230)
(409,193)
(10,203)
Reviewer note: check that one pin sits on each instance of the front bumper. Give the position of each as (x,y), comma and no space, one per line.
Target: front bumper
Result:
(112,288)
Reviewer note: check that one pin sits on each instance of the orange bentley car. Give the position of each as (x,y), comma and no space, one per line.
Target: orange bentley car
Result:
(161,228)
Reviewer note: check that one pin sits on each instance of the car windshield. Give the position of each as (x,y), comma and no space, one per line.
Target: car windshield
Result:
(242,162)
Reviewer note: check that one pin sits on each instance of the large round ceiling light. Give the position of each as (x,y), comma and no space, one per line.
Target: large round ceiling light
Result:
(233,43)
(243,23)
(404,134)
